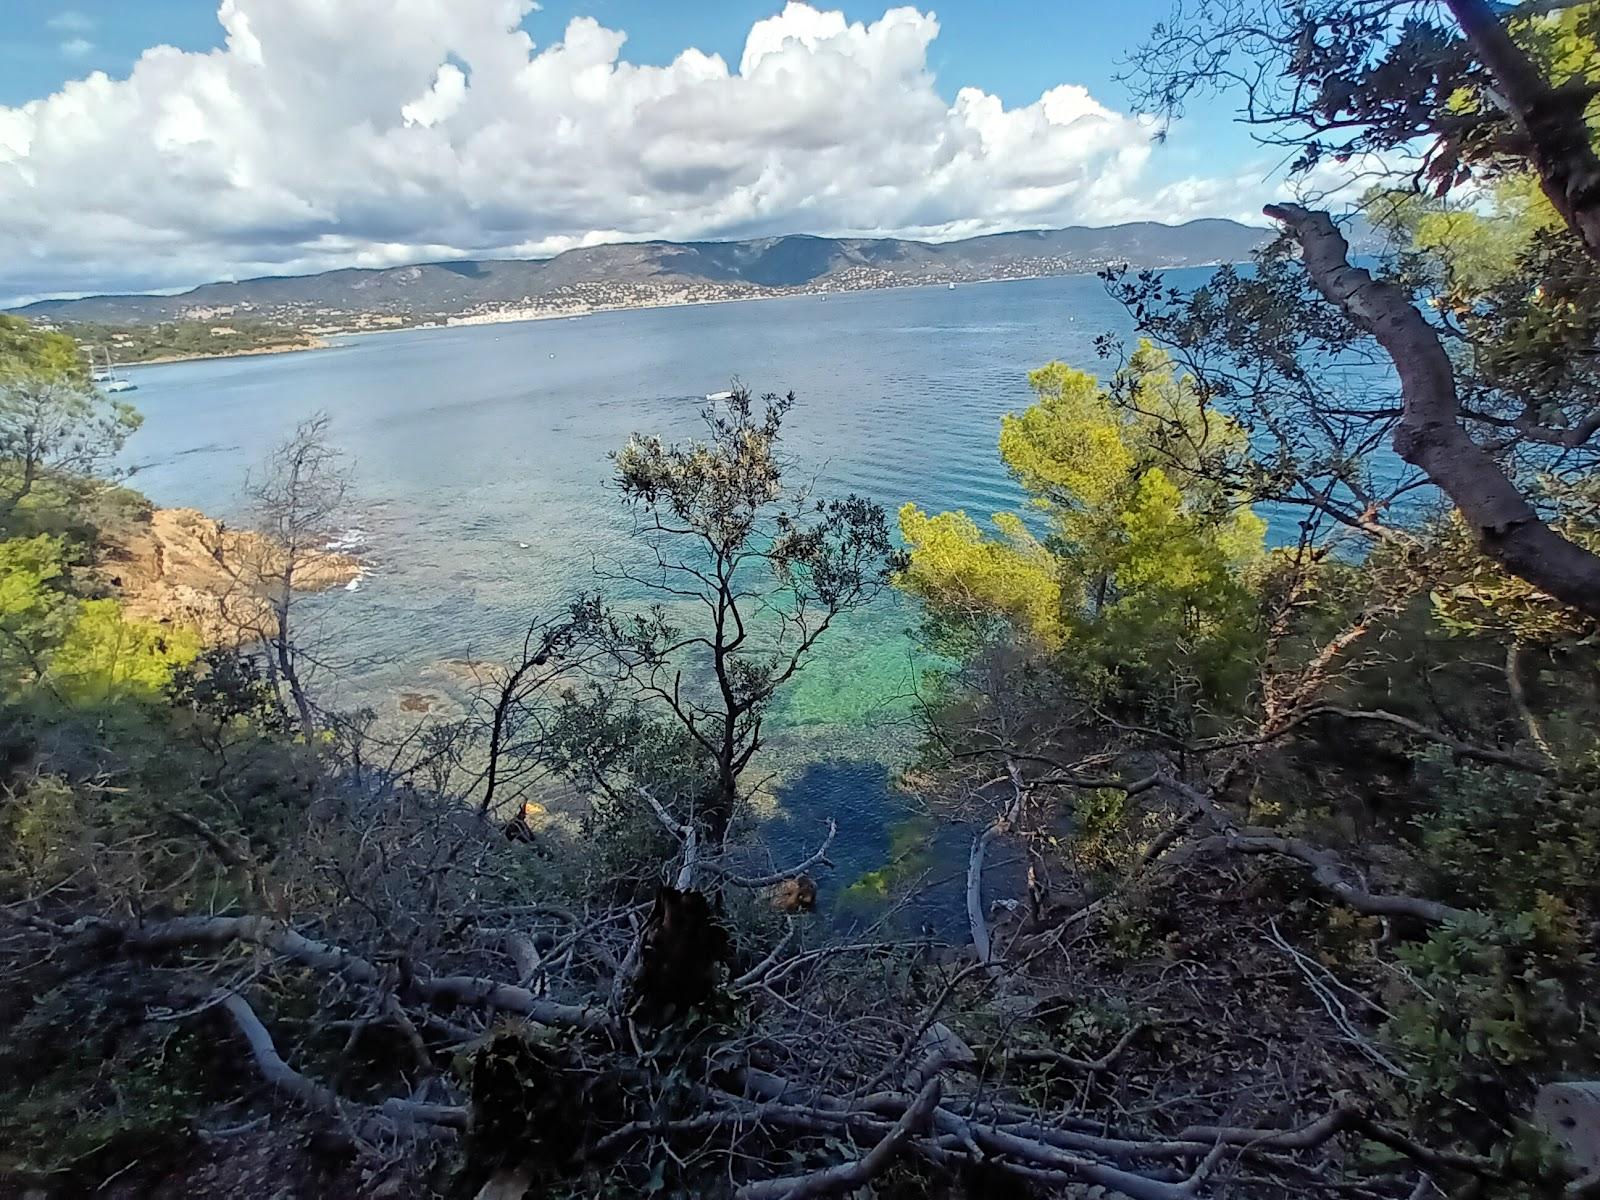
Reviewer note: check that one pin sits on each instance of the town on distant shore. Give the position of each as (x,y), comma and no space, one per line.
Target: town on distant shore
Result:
(280,313)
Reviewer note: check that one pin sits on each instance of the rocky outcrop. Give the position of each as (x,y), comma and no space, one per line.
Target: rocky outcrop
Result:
(180,567)
(795,895)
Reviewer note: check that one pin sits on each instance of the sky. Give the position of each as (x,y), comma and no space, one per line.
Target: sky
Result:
(158,144)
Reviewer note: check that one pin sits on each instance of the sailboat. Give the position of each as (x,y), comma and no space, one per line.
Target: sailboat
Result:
(106,378)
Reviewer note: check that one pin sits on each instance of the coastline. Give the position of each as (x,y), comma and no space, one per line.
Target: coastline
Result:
(516,316)
(521,315)
(177,566)
(317,343)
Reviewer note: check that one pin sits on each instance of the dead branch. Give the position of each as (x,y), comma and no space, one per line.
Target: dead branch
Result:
(1333,875)
(1519,699)
(819,858)
(441,991)
(980,846)
(1461,749)
(319,1097)
(847,1176)
(1056,1058)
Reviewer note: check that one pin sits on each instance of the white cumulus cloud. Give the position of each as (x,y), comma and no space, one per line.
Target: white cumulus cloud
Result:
(383,131)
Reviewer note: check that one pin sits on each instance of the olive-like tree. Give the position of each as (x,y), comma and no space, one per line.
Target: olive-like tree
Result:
(54,423)
(1467,92)
(747,571)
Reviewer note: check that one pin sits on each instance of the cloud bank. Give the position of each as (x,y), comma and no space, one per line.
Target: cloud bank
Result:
(374,132)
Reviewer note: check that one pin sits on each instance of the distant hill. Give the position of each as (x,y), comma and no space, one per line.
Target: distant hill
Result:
(643,273)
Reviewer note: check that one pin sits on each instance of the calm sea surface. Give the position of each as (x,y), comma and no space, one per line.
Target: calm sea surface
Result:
(481,478)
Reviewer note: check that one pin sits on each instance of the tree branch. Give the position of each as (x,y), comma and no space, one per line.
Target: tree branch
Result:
(441,990)
(980,846)
(1552,120)
(847,1176)
(319,1097)
(1429,434)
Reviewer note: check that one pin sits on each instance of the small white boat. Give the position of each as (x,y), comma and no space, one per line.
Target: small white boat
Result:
(951,286)
(719,396)
(106,378)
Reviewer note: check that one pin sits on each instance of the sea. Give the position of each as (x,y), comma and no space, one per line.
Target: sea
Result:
(482,500)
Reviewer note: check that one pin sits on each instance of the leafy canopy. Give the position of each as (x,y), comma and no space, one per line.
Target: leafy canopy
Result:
(55,425)
(82,652)
(24,348)
(1134,557)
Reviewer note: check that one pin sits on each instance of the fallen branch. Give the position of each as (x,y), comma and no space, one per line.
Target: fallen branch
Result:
(319,1097)
(847,1176)
(980,846)
(1461,749)
(820,858)
(1330,872)
(1056,1058)
(1327,868)
(443,990)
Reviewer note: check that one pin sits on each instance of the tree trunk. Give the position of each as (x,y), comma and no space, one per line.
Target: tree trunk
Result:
(1551,119)
(1430,434)
(286,666)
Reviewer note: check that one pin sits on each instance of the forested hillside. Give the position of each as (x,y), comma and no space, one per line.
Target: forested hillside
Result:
(1280,865)
(605,274)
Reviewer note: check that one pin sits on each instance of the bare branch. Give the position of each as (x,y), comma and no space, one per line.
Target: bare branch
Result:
(319,1097)
(846,1176)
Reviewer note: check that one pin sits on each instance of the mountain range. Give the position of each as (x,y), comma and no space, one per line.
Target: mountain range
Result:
(658,272)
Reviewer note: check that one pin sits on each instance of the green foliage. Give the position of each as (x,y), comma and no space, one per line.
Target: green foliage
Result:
(27,349)
(104,657)
(1474,597)
(43,832)
(968,576)
(83,652)
(1100,840)
(1142,569)
(1472,249)
(228,689)
(186,339)
(756,571)
(55,428)
(87,1086)
(1499,840)
(35,610)
(1486,1010)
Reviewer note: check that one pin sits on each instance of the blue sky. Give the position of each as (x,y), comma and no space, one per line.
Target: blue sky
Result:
(216,123)
(1014,49)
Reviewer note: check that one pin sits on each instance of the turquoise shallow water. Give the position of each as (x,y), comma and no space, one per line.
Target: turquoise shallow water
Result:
(480,461)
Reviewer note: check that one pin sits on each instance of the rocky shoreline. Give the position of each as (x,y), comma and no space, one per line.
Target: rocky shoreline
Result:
(177,566)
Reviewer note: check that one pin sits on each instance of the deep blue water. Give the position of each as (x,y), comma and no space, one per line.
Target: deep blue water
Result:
(480,472)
